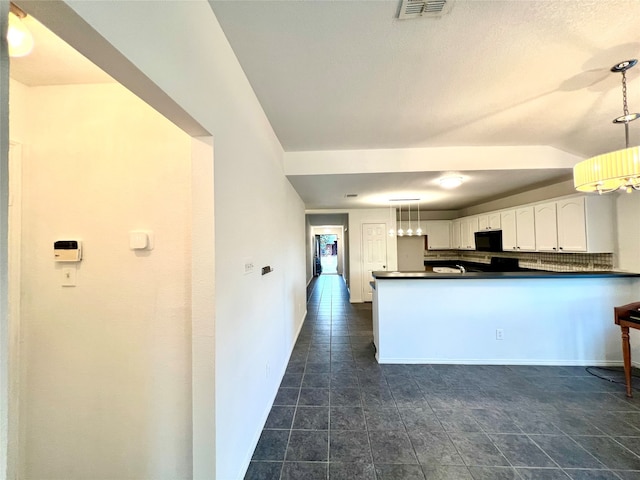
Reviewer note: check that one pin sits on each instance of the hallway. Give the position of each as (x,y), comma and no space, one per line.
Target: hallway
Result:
(340,415)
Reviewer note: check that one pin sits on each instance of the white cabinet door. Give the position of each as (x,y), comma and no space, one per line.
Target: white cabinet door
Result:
(525,229)
(546,227)
(455,234)
(483,222)
(572,228)
(439,233)
(494,221)
(509,239)
(468,228)
(465,229)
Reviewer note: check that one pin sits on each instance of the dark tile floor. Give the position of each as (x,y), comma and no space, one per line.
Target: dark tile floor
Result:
(339,415)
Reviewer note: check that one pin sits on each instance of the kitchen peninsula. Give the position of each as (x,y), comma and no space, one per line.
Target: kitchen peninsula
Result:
(524,317)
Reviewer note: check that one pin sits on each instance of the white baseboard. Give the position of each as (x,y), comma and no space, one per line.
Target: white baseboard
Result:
(474,361)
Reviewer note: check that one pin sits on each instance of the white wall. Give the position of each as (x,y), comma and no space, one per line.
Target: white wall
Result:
(181,47)
(550,321)
(410,254)
(427,159)
(107,389)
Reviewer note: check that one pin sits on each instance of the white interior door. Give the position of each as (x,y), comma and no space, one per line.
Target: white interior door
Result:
(374,254)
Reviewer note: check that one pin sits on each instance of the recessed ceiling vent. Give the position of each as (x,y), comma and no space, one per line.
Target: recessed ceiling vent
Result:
(350,195)
(424,8)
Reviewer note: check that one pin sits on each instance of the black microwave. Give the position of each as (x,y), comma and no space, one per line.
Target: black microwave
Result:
(489,241)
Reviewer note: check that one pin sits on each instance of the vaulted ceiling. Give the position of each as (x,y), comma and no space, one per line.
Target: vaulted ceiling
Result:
(335,75)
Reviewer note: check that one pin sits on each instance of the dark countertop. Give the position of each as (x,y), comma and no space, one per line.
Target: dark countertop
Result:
(383,275)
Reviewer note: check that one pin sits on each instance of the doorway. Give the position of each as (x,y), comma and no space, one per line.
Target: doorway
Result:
(329,253)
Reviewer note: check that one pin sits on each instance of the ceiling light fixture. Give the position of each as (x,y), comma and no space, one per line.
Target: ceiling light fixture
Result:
(398,218)
(450,181)
(419,230)
(392,222)
(614,170)
(409,230)
(19,38)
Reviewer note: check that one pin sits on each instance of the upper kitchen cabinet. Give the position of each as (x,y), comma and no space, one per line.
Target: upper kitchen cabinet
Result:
(489,221)
(468,228)
(546,227)
(455,234)
(585,224)
(575,224)
(438,234)
(518,229)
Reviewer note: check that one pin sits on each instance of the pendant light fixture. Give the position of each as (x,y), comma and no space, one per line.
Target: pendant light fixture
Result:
(19,38)
(419,230)
(619,170)
(409,230)
(392,222)
(400,230)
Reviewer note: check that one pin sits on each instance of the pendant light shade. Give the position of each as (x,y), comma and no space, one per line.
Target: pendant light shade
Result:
(618,170)
(609,171)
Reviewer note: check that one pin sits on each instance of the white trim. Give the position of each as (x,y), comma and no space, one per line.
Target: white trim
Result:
(203,298)
(499,361)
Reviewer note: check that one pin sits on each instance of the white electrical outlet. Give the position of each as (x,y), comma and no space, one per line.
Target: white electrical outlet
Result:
(499,334)
(249,267)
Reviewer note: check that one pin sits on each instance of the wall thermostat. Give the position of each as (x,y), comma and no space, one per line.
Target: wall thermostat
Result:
(67,250)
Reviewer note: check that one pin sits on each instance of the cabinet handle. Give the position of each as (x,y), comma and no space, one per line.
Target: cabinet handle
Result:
(514,248)
(554,248)
(561,248)
(518,248)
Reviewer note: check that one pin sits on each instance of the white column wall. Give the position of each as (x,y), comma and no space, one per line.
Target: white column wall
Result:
(182,49)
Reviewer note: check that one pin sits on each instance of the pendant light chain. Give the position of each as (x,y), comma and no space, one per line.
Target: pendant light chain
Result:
(625,108)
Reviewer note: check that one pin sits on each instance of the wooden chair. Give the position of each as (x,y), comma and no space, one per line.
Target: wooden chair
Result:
(621,317)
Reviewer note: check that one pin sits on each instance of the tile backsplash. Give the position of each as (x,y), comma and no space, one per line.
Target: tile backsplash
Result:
(553,262)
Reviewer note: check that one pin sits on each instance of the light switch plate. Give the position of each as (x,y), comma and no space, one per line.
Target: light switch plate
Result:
(141,240)
(249,266)
(68,277)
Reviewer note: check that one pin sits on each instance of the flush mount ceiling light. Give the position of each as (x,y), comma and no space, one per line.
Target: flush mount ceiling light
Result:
(614,170)
(19,38)
(450,181)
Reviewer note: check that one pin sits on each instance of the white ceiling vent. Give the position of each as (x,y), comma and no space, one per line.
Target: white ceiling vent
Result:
(424,8)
